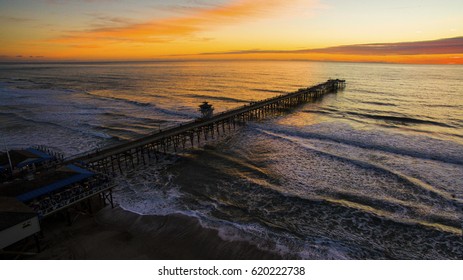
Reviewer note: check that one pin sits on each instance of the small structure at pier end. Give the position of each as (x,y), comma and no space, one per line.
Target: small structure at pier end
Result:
(206,110)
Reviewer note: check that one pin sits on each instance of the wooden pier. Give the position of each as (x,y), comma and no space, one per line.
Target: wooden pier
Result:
(117,159)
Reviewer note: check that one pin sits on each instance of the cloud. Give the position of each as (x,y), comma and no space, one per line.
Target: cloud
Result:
(185,8)
(440,46)
(100,20)
(167,29)
(13,58)
(15,20)
(67,1)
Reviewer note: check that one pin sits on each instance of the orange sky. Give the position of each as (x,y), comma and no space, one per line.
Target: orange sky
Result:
(331,30)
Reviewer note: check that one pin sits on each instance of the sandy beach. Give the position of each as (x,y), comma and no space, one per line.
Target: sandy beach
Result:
(119,234)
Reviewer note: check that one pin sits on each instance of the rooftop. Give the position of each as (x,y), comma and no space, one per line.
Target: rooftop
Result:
(21,158)
(43,183)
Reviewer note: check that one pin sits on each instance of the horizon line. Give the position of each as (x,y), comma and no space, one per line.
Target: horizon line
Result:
(76,61)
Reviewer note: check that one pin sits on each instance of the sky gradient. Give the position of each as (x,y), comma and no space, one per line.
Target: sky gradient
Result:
(414,31)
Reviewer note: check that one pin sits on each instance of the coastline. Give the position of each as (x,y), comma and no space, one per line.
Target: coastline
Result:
(119,234)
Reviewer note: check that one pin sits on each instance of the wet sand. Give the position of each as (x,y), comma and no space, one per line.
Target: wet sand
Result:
(119,234)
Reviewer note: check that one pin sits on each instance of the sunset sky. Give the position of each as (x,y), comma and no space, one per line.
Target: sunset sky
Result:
(412,31)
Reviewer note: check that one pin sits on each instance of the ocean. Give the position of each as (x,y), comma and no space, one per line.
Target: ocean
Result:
(372,172)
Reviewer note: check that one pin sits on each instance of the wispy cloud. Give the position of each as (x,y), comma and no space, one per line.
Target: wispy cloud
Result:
(441,46)
(162,30)
(15,20)
(185,8)
(100,20)
(67,1)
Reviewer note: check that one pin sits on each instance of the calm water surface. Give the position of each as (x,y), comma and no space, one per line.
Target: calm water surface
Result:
(374,171)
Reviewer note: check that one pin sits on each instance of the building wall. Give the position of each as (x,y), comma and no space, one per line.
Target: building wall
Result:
(18,232)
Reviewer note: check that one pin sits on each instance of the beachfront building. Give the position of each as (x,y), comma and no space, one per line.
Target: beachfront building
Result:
(40,187)
(54,190)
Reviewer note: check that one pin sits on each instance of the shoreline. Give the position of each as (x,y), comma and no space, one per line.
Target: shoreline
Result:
(117,234)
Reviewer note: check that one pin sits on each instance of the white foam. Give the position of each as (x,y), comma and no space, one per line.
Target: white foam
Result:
(146,191)
(334,168)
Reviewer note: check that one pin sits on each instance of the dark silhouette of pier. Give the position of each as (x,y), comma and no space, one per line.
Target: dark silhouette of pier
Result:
(140,151)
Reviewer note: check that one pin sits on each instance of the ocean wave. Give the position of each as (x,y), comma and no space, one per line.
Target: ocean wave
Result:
(132,102)
(202,90)
(267,213)
(402,120)
(377,103)
(309,229)
(149,106)
(415,146)
(319,111)
(220,98)
(399,119)
(139,120)
(58,125)
(411,188)
(146,191)
(444,106)
(268,90)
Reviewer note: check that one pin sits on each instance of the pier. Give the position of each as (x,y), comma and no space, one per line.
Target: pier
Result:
(43,183)
(122,157)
